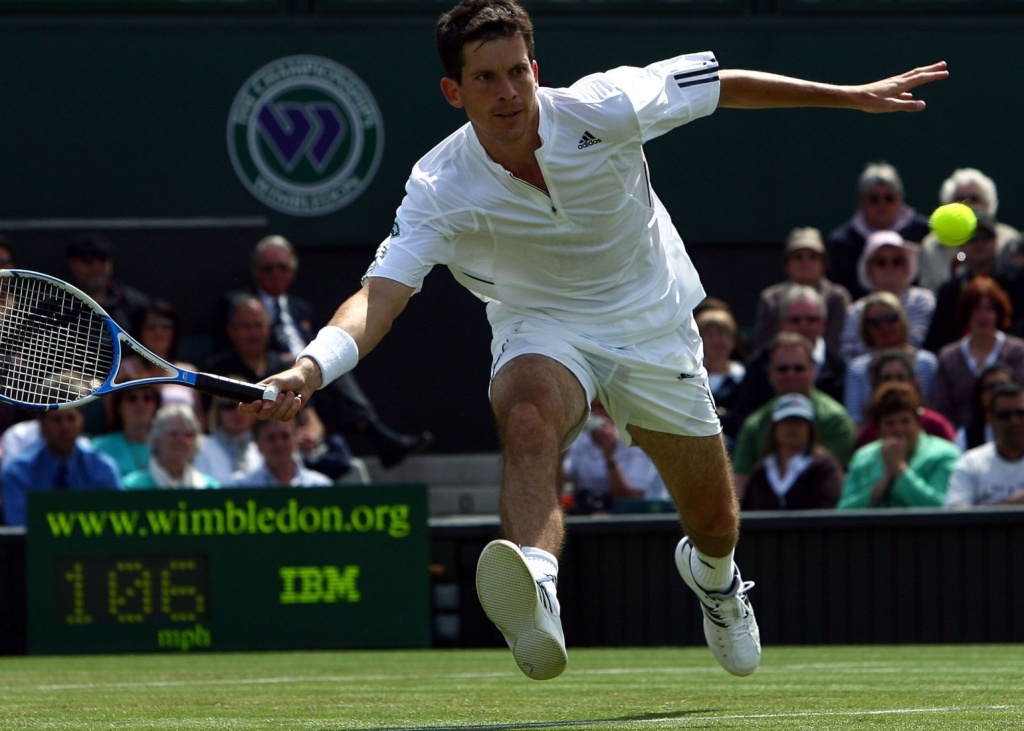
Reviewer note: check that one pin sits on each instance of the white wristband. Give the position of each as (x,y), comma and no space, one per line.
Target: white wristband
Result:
(334,351)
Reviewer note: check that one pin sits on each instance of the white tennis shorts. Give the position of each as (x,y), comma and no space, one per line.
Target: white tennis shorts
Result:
(659,384)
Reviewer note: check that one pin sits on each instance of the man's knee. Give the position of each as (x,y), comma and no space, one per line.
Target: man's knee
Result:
(714,521)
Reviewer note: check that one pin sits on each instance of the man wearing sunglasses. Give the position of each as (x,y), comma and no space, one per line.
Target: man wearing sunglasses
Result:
(993,474)
(880,207)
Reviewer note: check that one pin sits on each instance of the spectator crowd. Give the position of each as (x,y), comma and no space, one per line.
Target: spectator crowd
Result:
(166,435)
(882,369)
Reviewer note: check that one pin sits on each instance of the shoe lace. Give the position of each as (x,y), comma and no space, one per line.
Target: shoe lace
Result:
(546,596)
(730,609)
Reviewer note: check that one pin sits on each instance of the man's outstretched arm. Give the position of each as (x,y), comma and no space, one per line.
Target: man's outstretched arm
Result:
(759,90)
(366,317)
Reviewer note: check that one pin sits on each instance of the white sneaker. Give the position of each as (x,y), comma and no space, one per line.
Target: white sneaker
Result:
(522,609)
(729,625)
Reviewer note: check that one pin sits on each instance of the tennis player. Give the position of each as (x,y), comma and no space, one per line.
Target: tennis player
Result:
(542,206)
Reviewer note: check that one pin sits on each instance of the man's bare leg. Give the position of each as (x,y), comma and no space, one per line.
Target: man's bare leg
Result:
(536,402)
(696,472)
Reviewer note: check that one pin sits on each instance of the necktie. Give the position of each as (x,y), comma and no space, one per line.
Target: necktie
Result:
(60,480)
(289,331)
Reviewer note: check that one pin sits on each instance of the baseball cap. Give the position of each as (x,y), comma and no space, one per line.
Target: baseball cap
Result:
(793,405)
(886,238)
(91,246)
(807,237)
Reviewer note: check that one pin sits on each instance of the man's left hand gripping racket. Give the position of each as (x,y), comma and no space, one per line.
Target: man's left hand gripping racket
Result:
(59,349)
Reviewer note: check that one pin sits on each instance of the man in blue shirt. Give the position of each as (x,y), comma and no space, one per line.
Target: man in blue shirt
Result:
(55,462)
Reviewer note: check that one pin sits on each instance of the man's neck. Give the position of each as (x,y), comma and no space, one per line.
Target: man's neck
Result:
(284,472)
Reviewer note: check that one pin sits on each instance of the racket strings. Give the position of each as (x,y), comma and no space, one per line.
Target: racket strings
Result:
(54,348)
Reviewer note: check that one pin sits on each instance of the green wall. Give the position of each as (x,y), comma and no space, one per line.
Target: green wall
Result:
(123,117)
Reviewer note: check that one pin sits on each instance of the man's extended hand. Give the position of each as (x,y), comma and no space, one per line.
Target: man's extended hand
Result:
(893,94)
(297,385)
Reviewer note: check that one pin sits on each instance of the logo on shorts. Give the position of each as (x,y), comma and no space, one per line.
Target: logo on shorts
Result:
(684,376)
(305,135)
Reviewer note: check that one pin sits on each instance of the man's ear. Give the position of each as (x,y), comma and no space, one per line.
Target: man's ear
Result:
(450,89)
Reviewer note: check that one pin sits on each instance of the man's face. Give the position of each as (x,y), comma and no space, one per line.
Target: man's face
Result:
(804,317)
(91,273)
(903,425)
(805,266)
(498,90)
(791,370)
(274,271)
(880,206)
(1007,419)
(60,429)
(276,442)
(249,330)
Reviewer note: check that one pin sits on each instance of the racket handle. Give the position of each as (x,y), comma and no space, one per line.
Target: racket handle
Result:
(229,388)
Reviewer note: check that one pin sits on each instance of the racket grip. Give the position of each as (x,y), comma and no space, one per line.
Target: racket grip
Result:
(229,388)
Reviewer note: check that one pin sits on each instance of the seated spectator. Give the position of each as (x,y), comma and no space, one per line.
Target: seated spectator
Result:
(795,472)
(344,407)
(791,369)
(993,474)
(804,313)
(58,461)
(158,327)
(898,365)
(980,260)
(972,187)
(281,467)
(979,431)
(174,440)
(229,447)
(884,326)
(719,333)
(90,258)
(248,353)
(889,264)
(880,207)
(601,468)
(128,444)
(803,263)
(326,453)
(905,467)
(983,311)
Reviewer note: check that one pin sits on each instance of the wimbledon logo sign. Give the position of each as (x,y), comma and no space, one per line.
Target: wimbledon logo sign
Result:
(305,135)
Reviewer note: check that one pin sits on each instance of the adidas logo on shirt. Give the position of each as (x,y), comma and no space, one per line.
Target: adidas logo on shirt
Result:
(586,141)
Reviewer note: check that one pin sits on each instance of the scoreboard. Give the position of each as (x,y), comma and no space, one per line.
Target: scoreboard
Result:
(254,569)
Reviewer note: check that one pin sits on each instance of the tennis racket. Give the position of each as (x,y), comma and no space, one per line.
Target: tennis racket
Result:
(59,349)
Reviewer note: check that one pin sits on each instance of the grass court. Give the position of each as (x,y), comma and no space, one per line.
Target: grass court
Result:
(868,687)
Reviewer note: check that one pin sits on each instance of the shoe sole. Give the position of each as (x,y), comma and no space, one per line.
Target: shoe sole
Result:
(709,625)
(508,594)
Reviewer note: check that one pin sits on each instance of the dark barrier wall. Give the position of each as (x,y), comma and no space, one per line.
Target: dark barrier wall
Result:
(114,118)
(864,577)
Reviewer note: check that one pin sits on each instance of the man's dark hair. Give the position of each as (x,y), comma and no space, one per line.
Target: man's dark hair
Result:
(1008,389)
(479,20)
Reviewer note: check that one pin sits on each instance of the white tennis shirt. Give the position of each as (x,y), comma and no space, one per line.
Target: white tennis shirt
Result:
(598,253)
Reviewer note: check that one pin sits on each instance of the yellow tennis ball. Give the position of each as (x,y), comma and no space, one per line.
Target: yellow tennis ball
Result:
(953,224)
